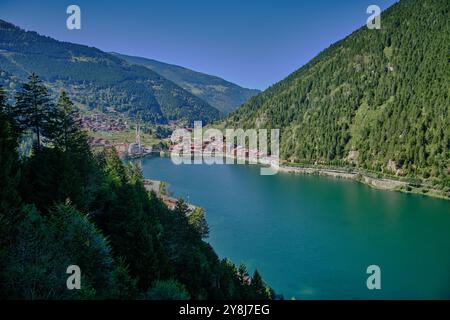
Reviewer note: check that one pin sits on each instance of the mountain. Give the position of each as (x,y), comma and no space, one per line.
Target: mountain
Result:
(377,100)
(221,94)
(97,79)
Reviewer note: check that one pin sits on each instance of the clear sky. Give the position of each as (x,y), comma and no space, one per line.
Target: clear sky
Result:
(253,43)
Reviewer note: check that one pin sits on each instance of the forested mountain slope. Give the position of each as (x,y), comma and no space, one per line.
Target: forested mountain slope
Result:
(97,79)
(378,99)
(219,93)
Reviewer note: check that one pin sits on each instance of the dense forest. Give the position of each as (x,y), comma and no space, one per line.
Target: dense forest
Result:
(222,95)
(65,205)
(377,100)
(99,80)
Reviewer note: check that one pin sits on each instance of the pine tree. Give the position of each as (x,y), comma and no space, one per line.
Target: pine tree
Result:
(197,219)
(9,171)
(34,109)
(181,207)
(8,156)
(66,125)
(259,287)
(9,179)
(243,275)
(167,290)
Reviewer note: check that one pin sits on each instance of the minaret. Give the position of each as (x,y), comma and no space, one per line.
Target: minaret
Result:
(138,136)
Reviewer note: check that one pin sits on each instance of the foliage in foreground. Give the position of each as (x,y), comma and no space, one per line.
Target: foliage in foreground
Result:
(64,206)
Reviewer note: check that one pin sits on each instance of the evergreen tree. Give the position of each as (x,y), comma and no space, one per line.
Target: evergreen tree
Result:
(8,160)
(123,212)
(181,208)
(33,109)
(167,290)
(243,276)
(66,131)
(125,286)
(44,246)
(198,221)
(259,287)
(9,179)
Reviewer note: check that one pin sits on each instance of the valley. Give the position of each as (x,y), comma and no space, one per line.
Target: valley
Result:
(293,192)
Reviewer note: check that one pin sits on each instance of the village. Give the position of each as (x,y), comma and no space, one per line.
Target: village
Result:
(214,149)
(100,123)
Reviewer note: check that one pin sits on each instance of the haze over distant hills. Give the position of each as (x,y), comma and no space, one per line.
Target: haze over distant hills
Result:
(219,93)
(97,79)
(378,99)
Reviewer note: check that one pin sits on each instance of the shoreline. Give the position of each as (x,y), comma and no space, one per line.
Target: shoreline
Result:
(382,183)
(375,183)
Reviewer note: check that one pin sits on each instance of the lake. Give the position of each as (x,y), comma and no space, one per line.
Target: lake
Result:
(313,237)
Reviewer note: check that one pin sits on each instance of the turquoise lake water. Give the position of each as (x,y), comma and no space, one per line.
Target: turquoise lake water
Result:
(313,237)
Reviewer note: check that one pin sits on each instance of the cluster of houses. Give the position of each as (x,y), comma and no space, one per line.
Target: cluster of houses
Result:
(100,122)
(132,150)
(121,148)
(223,150)
(98,142)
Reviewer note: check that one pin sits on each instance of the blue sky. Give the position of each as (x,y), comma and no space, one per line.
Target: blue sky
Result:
(253,43)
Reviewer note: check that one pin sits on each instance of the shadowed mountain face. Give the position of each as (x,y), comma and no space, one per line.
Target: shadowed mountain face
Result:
(221,94)
(99,80)
(378,99)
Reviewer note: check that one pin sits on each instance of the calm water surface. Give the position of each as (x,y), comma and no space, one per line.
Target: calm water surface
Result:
(314,237)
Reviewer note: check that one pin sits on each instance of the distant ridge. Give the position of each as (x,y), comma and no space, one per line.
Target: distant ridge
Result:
(99,80)
(219,93)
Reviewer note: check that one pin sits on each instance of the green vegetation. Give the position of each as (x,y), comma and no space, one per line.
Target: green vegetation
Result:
(63,205)
(222,95)
(378,100)
(97,80)
(198,221)
(33,108)
(167,290)
(127,136)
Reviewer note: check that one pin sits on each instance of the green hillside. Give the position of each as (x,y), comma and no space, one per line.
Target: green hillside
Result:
(221,94)
(98,80)
(376,100)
